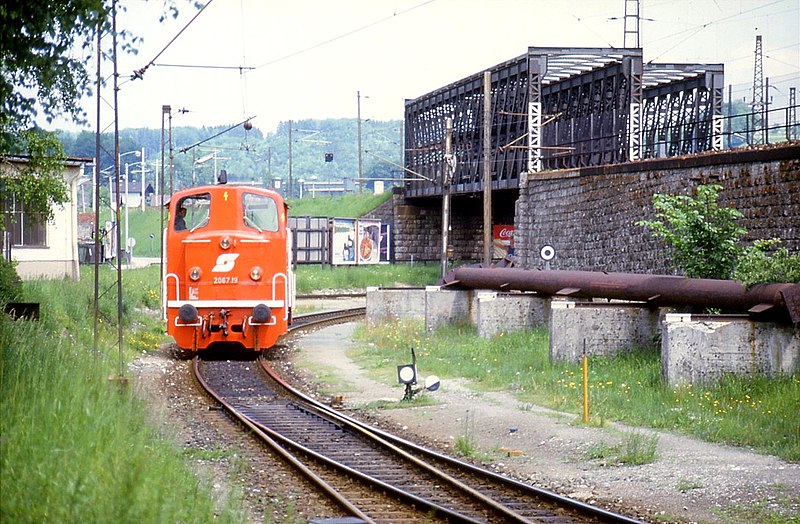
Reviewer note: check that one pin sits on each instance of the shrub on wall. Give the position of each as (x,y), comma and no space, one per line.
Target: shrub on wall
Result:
(702,234)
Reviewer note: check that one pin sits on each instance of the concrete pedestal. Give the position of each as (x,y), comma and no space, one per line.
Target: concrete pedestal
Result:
(697,351)
(600,328)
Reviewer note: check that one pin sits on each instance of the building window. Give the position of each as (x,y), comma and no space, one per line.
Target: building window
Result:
(27,229)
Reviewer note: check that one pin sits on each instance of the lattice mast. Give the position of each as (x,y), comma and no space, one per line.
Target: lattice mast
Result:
(758,106)
(631,24)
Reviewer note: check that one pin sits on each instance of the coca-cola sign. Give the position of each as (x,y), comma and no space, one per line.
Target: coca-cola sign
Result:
(505,233)
(502,240)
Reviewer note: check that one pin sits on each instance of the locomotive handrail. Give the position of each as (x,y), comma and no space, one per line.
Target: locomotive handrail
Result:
(177,287)
(285,291)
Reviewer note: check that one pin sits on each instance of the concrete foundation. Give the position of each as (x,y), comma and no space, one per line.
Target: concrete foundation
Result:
(697,351)
(505,312)
(444,306)
(393,304)
(599,328)
(702,351)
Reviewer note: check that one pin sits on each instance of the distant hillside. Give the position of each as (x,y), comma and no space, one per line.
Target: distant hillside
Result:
(321,150)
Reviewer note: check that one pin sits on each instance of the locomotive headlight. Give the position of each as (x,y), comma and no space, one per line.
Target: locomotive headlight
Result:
(195,273)
(225,243)
(256,273)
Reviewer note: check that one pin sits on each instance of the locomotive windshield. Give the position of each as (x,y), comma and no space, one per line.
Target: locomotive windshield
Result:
(260,212)
(192,212)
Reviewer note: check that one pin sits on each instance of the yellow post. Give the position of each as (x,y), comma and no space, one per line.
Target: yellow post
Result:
(585,389)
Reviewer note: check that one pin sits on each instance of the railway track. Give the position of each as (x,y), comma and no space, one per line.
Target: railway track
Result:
(372,475)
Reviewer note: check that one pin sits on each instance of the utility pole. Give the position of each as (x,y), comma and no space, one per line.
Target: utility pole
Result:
(487,168)
(358,109)
(289,188)
(447,179)
(791,120)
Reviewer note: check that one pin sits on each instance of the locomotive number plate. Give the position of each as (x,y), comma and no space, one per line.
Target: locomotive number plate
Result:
(226,280)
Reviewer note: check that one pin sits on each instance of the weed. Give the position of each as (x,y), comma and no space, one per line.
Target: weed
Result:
(635,449)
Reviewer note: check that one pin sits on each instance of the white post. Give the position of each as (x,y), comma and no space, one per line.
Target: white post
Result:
(111,199)
(142,179)
(126,207)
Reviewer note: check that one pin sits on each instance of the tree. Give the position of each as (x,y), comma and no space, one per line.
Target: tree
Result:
(39,37)
(702,234)
(38,185)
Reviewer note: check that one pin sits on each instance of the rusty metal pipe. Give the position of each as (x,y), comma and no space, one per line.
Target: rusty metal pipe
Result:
(773,300)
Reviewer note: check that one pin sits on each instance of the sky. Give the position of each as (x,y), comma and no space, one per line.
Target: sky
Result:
(315,59)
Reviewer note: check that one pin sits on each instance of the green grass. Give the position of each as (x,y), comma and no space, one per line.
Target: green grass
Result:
(313,278)
(634,449)
(346,206)
(77,447)
(758,412)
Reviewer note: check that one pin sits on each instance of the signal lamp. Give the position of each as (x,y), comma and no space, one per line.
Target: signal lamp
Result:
(407,374)
(195,273)
(255,273)
(225,243)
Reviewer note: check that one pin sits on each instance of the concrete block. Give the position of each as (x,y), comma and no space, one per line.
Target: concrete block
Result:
(505,312)
(393,304)
(702,351)
(446,306)
(602,328)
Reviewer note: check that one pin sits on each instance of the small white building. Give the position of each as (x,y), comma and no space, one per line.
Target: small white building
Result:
(49,249)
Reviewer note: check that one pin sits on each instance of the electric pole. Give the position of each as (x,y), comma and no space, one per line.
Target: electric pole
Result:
(758,93)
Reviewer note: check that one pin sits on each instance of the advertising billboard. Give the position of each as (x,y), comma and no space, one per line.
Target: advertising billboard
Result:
(344,241)
(502,241)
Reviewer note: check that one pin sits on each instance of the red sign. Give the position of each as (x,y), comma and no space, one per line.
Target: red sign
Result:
(503,240)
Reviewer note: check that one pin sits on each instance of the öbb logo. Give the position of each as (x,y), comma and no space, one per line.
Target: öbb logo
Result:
(225,262)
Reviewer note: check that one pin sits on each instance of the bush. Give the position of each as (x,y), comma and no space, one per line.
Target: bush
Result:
(10,283)
(757,266)
(702,234)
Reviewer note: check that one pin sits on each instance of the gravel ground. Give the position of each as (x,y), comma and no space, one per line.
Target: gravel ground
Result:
(691,481)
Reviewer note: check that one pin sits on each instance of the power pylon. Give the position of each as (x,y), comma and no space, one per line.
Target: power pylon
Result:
(758,105)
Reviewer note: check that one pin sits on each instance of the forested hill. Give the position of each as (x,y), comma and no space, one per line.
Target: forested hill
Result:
(250,155)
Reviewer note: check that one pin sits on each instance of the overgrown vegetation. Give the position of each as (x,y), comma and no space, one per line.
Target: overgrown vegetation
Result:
(758,412)
(702,234)
(705,240)
(76,447)
(757,265)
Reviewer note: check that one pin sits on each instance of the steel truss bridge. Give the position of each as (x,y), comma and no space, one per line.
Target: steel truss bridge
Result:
(562,108)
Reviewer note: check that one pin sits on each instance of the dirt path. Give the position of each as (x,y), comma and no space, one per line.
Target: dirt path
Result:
(691,480)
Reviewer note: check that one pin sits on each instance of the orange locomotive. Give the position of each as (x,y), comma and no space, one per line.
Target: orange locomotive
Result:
(228,274)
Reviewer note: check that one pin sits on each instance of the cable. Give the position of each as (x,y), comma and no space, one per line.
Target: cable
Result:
(335,38)
(139,73)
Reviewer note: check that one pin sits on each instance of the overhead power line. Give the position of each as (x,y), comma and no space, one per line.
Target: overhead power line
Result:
(343,35)
(139,73)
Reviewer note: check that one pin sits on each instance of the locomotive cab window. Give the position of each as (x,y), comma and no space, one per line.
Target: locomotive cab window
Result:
(192,212)
(260,212)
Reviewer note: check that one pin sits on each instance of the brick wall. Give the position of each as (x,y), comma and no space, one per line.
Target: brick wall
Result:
(589,216)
